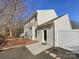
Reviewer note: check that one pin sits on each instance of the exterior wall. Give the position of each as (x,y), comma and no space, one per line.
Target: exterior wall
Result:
(49,34)
(33,22)
(45,16)
(30,32)
(42,17)
(33,32)
(61,23)
(26,27)
(39,35)
(69,40)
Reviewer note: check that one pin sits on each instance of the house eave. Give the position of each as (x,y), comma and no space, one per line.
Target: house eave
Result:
(31,17)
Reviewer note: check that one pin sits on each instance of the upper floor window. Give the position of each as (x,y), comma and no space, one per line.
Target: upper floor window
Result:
(26,33)
(35,32)
(35,18)
(30,28)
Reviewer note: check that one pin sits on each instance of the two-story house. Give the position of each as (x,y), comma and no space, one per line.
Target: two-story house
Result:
(44,24)
(30,26)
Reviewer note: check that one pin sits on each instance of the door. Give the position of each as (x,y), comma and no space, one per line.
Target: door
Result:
(44,36)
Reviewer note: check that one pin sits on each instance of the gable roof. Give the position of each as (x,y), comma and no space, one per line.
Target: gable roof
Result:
(31,17)
(49,22)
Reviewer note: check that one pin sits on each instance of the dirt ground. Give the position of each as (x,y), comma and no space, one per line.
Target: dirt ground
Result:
(12,42)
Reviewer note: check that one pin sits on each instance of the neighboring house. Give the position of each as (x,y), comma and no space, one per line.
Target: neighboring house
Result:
(43,24)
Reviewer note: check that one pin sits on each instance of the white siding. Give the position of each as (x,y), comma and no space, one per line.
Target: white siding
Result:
(31,23)
(45,15)
(39,35)
(33,33)
(69,40)
(29,34)
(61,23)
(26,27)
(50,36)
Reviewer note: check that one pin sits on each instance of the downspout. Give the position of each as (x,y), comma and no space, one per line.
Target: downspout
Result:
(53,33)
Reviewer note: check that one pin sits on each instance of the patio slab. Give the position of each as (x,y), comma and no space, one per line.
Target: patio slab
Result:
(37,48)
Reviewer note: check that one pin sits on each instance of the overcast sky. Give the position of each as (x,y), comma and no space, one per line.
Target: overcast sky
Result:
(61,7)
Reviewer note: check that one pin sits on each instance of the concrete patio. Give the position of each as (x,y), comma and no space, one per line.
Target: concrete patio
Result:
(37,48)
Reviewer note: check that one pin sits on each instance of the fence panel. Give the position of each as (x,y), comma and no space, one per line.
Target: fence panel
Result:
(69,40)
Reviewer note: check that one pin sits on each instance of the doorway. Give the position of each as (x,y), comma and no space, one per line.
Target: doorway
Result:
(44,36)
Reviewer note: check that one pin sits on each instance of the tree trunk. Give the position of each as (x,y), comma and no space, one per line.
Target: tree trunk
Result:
(11,33)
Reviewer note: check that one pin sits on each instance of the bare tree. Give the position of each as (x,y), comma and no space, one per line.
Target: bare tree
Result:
(18,27)
(9,11)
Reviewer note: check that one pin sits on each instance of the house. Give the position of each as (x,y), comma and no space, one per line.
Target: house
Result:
(50,29)
(43,25)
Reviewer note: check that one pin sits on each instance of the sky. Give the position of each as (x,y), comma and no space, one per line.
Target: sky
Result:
(70,7)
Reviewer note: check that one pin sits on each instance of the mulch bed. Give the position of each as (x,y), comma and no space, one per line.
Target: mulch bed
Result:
(13,42)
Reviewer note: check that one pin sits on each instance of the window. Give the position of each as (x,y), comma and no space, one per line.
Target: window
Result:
(30,28)
(35,18)
(35,32)
(26,33)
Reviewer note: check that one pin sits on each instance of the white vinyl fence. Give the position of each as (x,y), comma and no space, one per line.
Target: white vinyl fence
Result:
(68,40)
